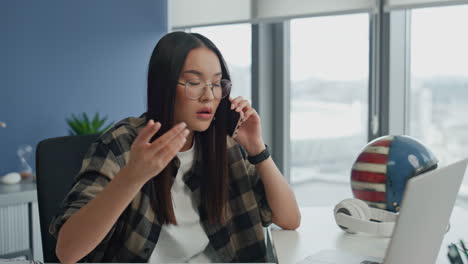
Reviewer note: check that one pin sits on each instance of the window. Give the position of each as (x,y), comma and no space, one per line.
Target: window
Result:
(439,82)
(235,43)
(329,95)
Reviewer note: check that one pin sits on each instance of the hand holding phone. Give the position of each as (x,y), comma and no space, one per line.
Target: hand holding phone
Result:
(234,121)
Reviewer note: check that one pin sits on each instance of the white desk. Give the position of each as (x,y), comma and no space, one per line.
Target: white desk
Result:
(318,232)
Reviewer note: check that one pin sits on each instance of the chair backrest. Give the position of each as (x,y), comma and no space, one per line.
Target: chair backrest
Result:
(58,160)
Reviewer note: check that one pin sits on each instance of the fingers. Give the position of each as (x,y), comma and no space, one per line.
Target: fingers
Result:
(168,137)
(241,106)
(148,131)
(244,107)
(167,153)
(236,101)
(249,112)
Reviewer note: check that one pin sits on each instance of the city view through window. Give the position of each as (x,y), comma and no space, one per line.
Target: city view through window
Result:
(329,86)
(329,95)
(438,102)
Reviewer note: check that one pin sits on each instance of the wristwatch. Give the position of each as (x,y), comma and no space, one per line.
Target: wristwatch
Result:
(265,154)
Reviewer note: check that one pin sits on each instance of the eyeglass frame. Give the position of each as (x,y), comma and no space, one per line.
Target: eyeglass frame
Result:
(211,85)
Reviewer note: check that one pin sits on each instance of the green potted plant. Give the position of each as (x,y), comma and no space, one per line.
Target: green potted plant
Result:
(84,125)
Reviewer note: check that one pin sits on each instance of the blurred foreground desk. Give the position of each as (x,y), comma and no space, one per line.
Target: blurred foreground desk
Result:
(318,232)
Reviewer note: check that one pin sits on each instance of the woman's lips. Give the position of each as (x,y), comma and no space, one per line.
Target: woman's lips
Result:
(204,116)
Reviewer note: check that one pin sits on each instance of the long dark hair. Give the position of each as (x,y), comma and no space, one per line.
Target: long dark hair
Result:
(165,66)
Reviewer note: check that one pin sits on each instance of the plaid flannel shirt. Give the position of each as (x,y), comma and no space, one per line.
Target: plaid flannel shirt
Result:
(134,235)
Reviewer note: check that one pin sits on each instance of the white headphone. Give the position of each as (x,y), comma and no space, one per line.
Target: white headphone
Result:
(354,215)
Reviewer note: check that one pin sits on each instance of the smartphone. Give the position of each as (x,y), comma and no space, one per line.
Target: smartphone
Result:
(234,121)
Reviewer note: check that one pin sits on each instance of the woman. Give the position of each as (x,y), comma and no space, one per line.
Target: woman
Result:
(178,189)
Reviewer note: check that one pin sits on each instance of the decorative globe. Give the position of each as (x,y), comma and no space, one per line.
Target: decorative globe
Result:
(384,165)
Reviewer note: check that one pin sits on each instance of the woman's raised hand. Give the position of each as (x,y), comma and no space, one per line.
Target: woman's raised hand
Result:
(149,159)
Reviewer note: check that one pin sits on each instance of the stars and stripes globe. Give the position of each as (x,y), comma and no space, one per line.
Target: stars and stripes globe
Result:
(380,172)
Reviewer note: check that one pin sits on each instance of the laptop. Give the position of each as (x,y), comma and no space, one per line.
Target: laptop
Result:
(427,204)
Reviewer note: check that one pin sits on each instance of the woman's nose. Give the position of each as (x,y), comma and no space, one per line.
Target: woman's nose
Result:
(208,93)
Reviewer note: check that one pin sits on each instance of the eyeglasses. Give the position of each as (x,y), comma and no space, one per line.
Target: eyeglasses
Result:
(195,88)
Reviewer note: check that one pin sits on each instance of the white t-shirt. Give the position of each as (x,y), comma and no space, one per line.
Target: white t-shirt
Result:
(187,241)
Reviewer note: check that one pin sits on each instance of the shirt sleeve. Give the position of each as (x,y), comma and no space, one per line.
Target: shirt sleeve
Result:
(99,166)
(259,191)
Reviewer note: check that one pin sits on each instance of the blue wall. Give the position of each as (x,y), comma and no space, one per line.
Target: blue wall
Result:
(62,57)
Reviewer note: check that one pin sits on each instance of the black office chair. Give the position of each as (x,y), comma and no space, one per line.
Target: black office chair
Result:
(58,160)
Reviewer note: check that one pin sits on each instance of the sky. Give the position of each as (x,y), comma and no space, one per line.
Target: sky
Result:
(440,41)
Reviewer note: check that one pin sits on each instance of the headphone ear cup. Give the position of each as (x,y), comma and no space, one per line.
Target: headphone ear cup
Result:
(354,215)
(363,208)
(354,208)
(383,215)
